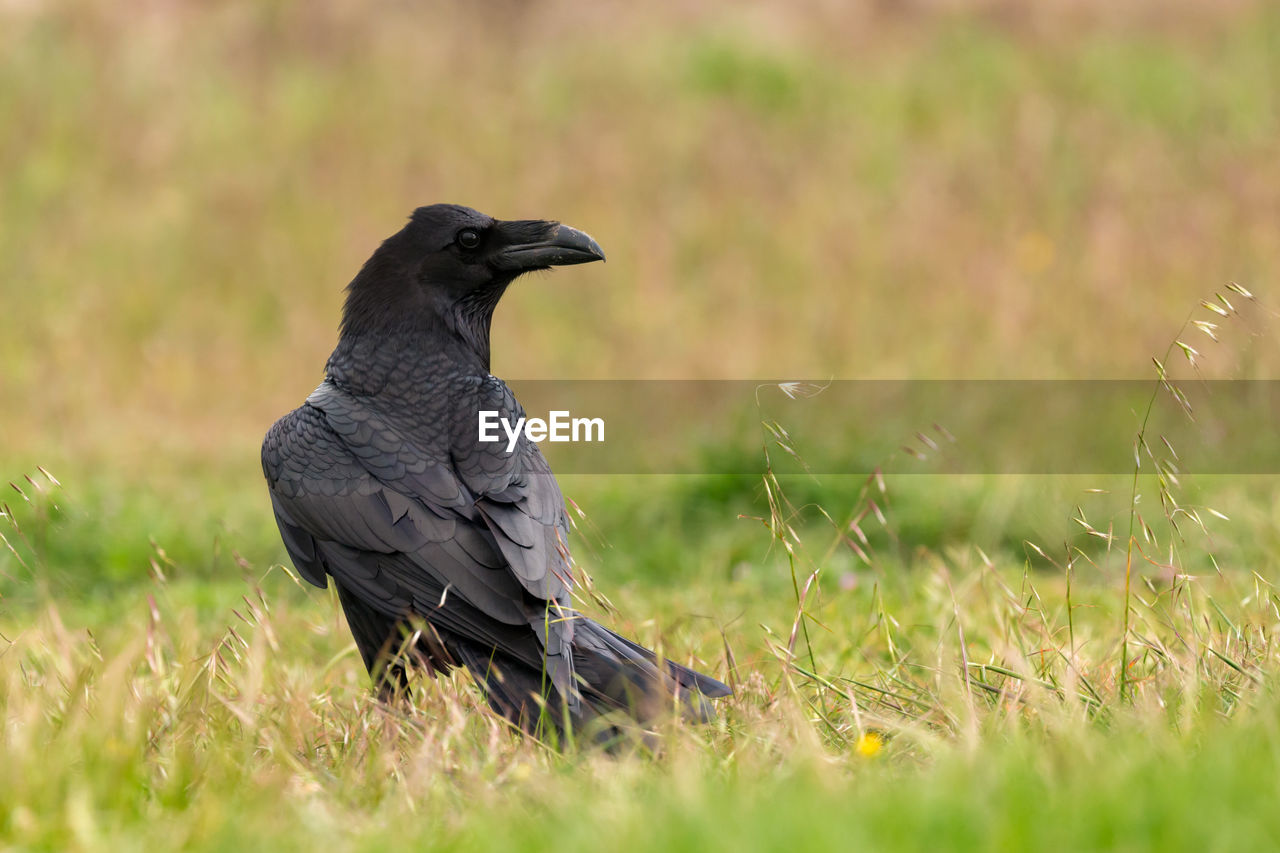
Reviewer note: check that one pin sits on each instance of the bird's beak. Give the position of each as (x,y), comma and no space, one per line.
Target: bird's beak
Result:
(560,247)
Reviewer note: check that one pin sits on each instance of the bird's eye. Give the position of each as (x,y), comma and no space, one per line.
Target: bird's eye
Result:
(468,238)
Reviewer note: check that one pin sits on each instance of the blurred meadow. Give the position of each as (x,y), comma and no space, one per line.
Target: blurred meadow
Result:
(804,190)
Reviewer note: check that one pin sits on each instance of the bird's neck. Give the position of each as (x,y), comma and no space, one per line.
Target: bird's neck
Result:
(388,320)
(411,349)
(470,318)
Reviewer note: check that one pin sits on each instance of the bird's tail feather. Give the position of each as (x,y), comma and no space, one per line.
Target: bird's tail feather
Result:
(617,673)
(616,678)
(684,676)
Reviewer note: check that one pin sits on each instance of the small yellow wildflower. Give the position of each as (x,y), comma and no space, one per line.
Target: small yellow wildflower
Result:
(869,743)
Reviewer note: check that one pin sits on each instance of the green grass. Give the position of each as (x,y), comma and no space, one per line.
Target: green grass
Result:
(1008,192)
(210,706)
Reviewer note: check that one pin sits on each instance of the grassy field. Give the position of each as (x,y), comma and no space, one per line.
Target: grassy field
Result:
(957,190)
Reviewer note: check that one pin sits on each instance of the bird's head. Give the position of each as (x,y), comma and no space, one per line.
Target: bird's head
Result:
(452,264)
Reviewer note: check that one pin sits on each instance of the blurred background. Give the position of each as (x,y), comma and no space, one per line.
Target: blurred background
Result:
(785,190)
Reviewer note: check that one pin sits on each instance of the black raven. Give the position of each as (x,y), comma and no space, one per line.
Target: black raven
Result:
(448,549)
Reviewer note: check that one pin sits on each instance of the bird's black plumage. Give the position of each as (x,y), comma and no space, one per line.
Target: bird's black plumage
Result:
(450,547)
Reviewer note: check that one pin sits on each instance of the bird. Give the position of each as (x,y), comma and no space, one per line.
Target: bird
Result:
(448,551)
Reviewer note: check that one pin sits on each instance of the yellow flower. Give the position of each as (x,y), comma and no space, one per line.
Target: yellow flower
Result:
(869,743)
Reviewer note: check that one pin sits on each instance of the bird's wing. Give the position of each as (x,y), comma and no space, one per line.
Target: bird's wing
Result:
(457,515)
(439,460)
(332,511)
(516,493)
(520,501)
